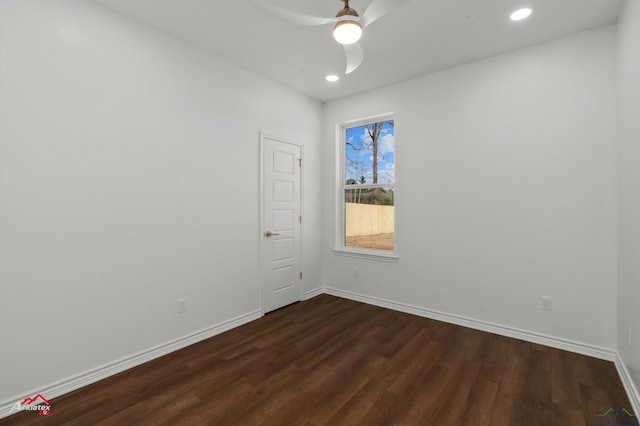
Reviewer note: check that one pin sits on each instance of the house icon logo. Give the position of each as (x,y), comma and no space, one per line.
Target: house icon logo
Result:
(37,403)
(616,417)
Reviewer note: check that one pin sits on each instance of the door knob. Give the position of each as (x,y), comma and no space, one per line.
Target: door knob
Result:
(269,234)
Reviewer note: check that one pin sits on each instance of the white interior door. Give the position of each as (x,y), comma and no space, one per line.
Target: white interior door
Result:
(281,219)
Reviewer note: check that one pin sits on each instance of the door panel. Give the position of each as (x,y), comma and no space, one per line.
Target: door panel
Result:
(281,195)
(283,249)
(283,278)
(283,220)
(283,191)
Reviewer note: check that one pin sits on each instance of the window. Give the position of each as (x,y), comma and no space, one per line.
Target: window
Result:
(367,203)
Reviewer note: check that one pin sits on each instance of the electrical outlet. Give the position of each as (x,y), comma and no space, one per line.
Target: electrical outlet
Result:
(181,305)
(356,272)
(630,341)
(546,303)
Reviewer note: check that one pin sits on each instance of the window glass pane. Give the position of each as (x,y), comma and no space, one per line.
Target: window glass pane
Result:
(369,218)
(369,153)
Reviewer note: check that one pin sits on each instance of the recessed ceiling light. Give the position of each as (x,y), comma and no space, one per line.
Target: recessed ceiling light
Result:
(332,78)
(520,14)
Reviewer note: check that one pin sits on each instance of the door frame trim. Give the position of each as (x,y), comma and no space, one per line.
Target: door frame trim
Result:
(261,240)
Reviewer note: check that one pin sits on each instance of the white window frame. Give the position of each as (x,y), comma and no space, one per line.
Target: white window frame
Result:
(339,247)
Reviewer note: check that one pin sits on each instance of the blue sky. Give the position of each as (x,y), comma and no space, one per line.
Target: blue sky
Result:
(360,162)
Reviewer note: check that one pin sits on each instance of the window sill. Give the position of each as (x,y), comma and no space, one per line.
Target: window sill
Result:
(381,255)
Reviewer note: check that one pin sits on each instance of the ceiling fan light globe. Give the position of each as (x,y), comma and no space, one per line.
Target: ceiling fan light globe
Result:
(347,32)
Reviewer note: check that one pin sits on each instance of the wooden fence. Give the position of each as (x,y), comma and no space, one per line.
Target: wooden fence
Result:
(368,219)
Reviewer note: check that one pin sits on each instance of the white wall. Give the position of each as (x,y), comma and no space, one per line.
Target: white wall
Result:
(506,190)
(129,178)
(629,190)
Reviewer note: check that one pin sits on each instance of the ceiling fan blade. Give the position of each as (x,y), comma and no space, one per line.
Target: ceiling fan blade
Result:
(355,56)
(293,17)
(378,8)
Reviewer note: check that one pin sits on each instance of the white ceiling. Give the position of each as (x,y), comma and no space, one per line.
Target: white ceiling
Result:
(420,37)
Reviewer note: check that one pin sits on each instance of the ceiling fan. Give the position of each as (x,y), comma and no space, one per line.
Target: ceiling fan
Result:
(348,27)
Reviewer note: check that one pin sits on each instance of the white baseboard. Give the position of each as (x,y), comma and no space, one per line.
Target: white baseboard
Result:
(541,339)
(629,387)
(313,293)
(88,377)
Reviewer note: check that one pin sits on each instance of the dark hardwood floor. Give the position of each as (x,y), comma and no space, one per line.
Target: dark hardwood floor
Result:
(334,361)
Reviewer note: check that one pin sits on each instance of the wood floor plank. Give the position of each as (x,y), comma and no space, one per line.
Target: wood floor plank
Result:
(419,365)
(332,361)
(422,397)
(322,409)
(481,396)
(453,401)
